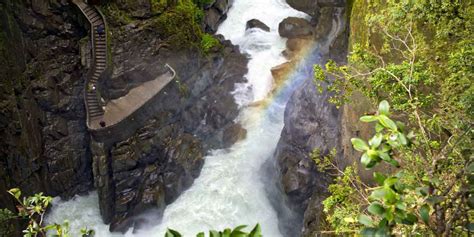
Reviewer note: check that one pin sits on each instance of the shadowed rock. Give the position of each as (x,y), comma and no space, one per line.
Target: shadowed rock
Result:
(254,23)
(294,27)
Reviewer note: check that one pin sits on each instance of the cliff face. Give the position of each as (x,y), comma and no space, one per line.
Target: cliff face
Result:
(46,147)
(311,122)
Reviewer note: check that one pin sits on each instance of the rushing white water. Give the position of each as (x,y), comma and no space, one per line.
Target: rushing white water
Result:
(229,191)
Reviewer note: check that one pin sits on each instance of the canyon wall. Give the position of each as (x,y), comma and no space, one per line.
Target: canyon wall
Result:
(44,58)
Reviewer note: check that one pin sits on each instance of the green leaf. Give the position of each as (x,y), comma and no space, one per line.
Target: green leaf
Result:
(384,107)
(401,205)
(15,192)
(172,233)
(382,232)
(365,160)
(425,213)
(387,122)
(379,177)
(240,227)
(376,209)
(375,141)
(366,220)
(394,163)
(359,144)
(226,233)
(389,182)
(385,194)
(368,118)
(470,227)
(256,232)
(200,234)
(378,194)
(378,127)
(402,139)
(410,219)
(422,191)
(213,233)
(470,168)
(385,156)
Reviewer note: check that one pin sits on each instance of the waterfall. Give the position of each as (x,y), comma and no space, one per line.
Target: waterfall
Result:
(230,190)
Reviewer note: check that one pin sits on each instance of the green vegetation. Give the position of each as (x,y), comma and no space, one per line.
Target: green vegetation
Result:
(202,3)
(178,22)
(180,25)
(208,42)
(115,16)
(32,209)
(418,56)
(236,232)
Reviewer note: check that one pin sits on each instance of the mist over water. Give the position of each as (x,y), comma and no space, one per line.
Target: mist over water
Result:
(230,190)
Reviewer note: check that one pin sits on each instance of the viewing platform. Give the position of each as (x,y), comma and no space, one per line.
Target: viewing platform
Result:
(102,116)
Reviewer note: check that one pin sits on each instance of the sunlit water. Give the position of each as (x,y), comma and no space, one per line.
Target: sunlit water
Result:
(229,191)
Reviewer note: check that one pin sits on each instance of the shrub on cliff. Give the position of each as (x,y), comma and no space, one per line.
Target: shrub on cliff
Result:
(418,56)
(181,27)
(32,210)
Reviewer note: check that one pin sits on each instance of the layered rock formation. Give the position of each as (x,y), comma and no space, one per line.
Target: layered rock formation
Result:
(311,122)
(46,147)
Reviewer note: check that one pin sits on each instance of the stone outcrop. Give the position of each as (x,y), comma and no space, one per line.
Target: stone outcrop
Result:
(254,23)
(46,146)
(215,13)
(294,27)
(311,122)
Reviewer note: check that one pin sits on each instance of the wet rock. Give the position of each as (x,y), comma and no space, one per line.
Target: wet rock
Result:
(233,134)
(308,6)
(44,145)
(323,29)
(282,71)
(41,7)
(215,13)
(222,6)
(212,19)
(254,23)
(311,122)
(294,27)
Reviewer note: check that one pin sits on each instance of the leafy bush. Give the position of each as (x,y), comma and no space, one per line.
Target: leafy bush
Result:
(410,202)
(417,55)
(202,3)
(33,209)
(208,42)
(180,25)
(236,232)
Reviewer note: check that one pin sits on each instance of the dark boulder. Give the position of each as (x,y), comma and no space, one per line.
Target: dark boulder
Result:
(294,27)
(254,23)
(307,6)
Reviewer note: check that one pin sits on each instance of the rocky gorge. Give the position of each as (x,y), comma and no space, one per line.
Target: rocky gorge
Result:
(43,116)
